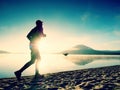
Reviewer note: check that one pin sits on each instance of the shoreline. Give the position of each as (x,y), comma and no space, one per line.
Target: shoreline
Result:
(107,78)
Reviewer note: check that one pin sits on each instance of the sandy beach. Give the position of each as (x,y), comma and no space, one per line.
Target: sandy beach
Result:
(104,78)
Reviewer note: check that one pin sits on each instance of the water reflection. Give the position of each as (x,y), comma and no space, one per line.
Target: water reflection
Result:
(87,59)
(51,63)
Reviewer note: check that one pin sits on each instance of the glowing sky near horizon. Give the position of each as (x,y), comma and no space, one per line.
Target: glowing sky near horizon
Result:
(95,23)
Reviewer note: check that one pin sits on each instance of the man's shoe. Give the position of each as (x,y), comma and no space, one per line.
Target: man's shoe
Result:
(38,76)
(18,75)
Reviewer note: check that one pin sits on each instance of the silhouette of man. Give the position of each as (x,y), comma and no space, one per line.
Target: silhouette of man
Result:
(34,36)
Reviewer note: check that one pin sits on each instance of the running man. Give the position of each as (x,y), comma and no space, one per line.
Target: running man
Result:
(34,36)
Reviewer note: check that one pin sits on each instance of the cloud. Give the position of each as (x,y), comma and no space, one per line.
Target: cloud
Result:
(117,17)
(116,32)
(85,17)
(113,45)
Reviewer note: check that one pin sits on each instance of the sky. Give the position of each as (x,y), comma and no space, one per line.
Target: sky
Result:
(94,23)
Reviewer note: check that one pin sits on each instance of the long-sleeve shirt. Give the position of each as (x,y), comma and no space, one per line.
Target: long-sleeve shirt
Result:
(35,34)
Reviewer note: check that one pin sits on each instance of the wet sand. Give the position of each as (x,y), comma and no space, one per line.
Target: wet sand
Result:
(104,78)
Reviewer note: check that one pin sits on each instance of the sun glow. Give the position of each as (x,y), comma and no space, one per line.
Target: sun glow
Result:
(42,45)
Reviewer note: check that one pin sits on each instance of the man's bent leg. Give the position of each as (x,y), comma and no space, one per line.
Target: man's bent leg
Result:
(18,73)
(27,65)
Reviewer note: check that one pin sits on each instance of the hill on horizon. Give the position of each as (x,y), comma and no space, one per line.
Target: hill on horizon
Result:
(83,49)
(2,52)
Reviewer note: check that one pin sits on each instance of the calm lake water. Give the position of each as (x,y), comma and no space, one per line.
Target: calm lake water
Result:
(51,63)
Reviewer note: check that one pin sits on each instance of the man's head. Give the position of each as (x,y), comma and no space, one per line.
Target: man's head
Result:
(39,23)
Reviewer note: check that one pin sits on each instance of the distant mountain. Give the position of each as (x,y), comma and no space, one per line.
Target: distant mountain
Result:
(2,52)
(82,49)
